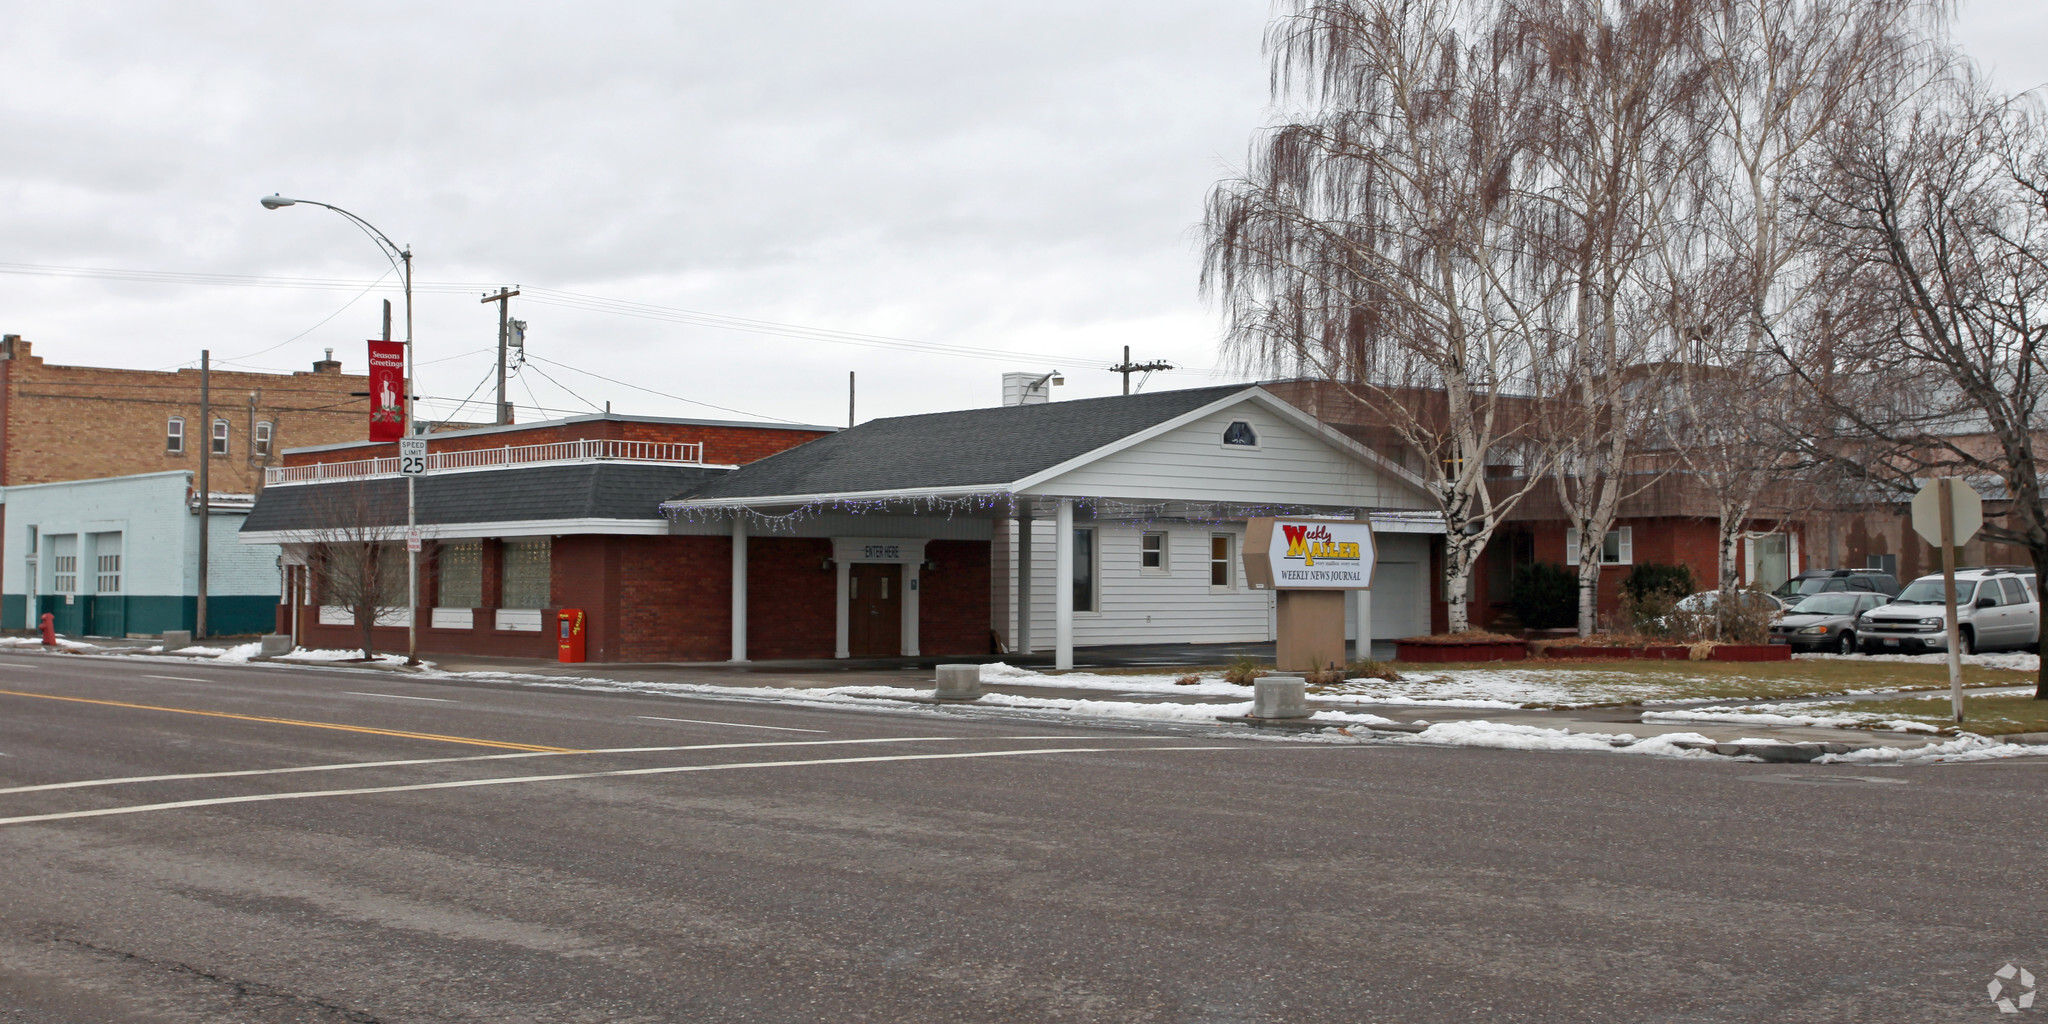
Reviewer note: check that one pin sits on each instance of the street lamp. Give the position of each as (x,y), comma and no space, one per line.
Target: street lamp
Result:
(401,257)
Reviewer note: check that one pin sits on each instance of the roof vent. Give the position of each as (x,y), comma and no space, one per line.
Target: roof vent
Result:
(1030,388)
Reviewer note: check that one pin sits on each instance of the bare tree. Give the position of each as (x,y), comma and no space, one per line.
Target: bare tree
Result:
(1780,74)
(356,562)
(1378,244)
(1937,213)
(1622,156)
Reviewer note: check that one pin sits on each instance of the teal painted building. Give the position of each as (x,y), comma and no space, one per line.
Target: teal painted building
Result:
(120,556)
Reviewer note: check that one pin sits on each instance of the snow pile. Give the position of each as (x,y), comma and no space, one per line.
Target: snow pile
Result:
(1209,684)
(236,655)
(30,641)
(308,654)
(1509,736)
(1963,748)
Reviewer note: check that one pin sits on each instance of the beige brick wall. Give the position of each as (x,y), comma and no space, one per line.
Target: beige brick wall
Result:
(85,422)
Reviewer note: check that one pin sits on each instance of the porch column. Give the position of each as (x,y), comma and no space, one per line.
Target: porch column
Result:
(1364,626)
(1063,587)
(842,574)
(910,602)
(739,586)
(1023,637)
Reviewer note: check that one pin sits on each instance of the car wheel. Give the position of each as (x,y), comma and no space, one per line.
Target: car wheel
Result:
(1846,645)
(1964,644)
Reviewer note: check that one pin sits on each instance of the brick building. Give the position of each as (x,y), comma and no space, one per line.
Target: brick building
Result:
(517,522)
(61,424)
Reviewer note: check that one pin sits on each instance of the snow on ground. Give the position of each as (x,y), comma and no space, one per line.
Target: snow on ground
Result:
(1821,714)
(2016,661)
(29,641)
(305,654)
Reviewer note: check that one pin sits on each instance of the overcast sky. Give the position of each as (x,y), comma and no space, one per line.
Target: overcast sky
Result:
(961,176)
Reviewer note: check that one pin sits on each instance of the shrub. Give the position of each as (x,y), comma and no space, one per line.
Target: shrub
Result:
(1654,578)
(1242,672)
(1189,680)
(1329,676)
(1368,668)
(1545,595)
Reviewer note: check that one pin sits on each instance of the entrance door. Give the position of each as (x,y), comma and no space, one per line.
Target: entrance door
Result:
(874,610)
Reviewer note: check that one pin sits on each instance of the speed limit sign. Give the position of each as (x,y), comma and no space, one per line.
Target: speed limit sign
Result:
(412,456)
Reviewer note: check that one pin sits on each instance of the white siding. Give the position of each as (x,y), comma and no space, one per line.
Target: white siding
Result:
(1135,606)
(1290,466)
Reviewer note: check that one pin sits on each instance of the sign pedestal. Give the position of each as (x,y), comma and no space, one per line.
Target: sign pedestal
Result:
(1311,628)
(1310,564)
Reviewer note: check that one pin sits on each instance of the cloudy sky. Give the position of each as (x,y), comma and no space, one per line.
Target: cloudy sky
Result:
(722,207)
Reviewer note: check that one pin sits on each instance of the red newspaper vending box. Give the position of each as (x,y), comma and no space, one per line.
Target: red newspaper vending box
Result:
(570,622)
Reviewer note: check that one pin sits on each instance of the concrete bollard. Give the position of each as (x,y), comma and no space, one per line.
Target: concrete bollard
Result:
(1280,697)
(959,682)
(275,644)
(177,640)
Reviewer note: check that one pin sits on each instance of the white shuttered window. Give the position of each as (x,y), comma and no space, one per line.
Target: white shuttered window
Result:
(1617,548)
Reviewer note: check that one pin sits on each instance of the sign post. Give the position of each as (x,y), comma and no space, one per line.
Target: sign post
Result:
(412,461)
(1310,563)
(1948,512)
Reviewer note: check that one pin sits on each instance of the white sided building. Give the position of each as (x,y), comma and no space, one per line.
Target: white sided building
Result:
(1106,521)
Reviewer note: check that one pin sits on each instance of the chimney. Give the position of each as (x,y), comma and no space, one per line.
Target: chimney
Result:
(1030,388)
(328,365)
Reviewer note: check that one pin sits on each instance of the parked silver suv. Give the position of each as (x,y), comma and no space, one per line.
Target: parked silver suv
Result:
(1996,608)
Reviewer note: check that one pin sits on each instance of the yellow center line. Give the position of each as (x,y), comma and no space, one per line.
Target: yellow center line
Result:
(401,734)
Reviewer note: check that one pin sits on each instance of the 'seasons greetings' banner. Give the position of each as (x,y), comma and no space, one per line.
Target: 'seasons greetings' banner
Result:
(1308,554)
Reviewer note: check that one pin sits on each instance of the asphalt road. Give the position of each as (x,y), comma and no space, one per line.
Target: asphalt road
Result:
(749,861)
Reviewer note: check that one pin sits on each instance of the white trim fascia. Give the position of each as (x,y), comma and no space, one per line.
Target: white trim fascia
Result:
(504,528)
(594,417)
(1267,399)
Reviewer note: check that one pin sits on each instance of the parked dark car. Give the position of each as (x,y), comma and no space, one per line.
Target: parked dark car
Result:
(1824,622)
(1830,581)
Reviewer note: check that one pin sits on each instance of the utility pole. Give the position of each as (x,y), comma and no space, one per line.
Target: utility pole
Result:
(849,399)
(205,479)
(1127,368)
(503,297)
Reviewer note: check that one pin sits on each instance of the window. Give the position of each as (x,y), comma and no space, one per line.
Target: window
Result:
(526,574)
(1152,552)
(262,441)
(1888,563)
(31,540)
(220,437)
(462,575)
(2015,591)
(174,436)
(1220,576)
(64,564)
(1617,548)
(109,581)
(1084,570)
(1241,434)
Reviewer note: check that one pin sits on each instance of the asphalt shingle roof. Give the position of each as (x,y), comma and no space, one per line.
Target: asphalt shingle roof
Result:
(967,448)
(579,491)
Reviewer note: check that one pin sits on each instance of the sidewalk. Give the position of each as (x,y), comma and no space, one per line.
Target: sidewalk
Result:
(1012,687)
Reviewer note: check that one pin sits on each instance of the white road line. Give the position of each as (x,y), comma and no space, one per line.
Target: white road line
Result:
(180,679)
(667,770)
(243,773)
(736,725)
(400,696)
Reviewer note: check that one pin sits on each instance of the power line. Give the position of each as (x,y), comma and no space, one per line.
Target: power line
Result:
(662,394)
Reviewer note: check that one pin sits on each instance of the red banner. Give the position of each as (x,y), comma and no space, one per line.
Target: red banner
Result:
(387,390)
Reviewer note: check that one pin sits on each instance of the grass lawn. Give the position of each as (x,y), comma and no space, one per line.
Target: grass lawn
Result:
(1989,714)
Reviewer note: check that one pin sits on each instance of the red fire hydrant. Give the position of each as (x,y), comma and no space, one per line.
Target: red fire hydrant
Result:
(49,630)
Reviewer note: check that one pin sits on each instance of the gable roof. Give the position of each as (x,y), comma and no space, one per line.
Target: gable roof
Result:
(963,450)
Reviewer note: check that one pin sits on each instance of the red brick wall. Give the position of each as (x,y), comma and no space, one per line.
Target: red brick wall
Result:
(675,598)
(87,422)
(792,611)
(953,602)
(722,445)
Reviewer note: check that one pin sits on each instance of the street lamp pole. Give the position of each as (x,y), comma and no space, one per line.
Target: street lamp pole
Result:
(403,256)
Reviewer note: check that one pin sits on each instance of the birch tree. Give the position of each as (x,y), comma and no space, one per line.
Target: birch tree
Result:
(1378,243)
(1622,151)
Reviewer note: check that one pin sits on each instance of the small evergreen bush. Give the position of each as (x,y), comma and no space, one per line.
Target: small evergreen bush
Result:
(1545,595)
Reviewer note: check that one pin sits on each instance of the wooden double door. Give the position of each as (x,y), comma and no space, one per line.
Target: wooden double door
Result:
(874,610)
